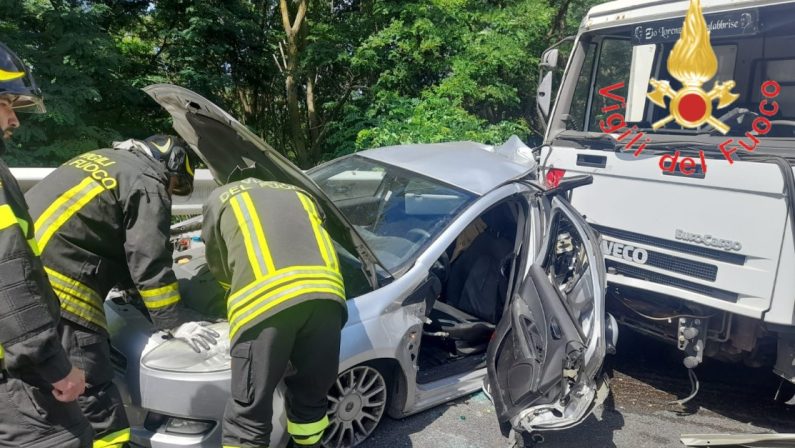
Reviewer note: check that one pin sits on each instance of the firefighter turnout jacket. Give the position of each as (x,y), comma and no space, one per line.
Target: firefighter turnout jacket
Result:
(256,246)
(102,220)
(28,307)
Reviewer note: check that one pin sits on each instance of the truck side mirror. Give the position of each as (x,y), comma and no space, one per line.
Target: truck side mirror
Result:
(547,66)
(549,60)
(544,96)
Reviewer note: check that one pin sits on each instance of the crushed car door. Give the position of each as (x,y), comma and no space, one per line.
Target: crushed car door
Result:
(545,360)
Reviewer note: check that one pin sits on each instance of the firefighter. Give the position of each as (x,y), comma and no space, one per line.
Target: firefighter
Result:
(102,221)
(266,244)
(38,383)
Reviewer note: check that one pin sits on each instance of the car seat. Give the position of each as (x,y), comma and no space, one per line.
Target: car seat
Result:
(477,287)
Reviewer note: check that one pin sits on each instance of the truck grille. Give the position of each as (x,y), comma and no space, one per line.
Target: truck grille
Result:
(643,274)
(684,266)
(706,252)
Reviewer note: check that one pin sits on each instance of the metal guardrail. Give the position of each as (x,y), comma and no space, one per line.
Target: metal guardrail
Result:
(203,185)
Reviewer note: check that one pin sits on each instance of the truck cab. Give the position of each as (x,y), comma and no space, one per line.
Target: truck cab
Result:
(693,184)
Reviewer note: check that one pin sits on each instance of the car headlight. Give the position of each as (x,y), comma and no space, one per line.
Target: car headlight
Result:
(174,355)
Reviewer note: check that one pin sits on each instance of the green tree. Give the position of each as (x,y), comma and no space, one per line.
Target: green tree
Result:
(314,78)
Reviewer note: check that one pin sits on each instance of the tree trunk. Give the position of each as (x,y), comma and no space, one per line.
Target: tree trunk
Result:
(559,22)
(312,116)
(291,28)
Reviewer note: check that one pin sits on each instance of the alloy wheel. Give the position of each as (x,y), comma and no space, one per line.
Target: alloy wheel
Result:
(356,404)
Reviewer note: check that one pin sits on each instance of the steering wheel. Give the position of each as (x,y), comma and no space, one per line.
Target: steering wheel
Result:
(418,235)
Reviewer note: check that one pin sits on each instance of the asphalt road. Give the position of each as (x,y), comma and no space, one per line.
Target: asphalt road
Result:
(646,375)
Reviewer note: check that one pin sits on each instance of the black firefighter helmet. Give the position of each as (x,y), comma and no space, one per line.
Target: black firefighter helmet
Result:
(17,82)
(178,159)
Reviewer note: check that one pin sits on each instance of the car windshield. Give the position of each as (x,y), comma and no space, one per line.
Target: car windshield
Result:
(396,211)
(751,46)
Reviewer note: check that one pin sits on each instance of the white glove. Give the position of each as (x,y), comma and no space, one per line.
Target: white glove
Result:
(196,335)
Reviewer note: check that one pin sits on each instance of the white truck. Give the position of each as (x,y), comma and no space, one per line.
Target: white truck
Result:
(693,187)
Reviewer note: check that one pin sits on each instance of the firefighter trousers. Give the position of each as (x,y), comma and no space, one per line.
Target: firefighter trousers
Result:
(307,336)
(101,403)
(31,417)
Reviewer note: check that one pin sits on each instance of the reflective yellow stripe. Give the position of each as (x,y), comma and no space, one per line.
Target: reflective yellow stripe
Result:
(224,285)
(2,352)
(64,207)
(188,168)
(296,286)
(245,302)
(113,440)
(34,246)
(307,429)
(256,246)
(279,273)
(10,76)
(261,240)
(161,297)
(317,229)
(8,219)
(79,308)
(77,298)
(277,297)
(286,274)
(74,287)
(311,440)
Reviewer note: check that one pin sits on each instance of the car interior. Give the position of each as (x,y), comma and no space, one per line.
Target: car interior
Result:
(475,273)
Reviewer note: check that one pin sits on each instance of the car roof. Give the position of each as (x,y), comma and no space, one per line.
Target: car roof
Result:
(469,166)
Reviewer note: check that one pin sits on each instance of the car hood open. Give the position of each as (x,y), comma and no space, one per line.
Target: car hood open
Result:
(226,145)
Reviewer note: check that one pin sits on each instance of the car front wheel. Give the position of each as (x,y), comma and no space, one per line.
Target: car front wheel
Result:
(356,405)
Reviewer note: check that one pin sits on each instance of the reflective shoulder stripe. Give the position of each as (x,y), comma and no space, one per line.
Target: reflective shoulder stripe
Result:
(161,297)
(253,238)
(64,207)
(8,219)
(113,440)
(321,236)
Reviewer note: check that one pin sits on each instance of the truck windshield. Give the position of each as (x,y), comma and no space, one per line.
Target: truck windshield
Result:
(751,47)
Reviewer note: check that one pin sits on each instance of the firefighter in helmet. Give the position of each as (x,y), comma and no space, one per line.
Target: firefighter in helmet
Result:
(38,383)
(103,221)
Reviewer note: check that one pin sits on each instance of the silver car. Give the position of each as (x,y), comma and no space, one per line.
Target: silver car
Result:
(461,272)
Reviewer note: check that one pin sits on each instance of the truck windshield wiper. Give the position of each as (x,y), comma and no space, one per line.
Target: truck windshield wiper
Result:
(588,140)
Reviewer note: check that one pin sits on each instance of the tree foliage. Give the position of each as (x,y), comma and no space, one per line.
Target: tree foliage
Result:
(315,78)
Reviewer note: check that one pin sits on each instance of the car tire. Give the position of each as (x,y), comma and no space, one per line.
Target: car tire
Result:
(357,403)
